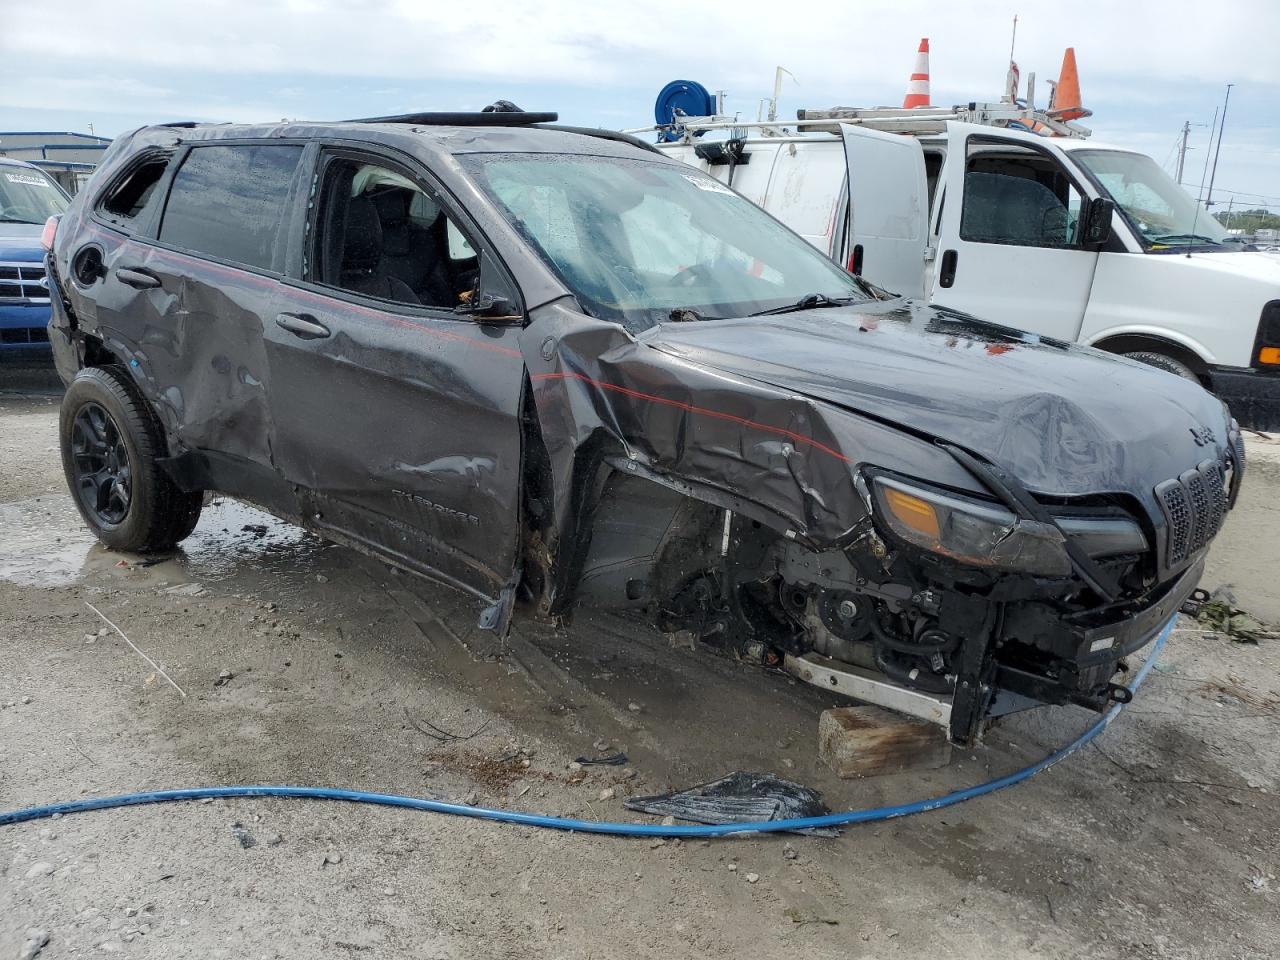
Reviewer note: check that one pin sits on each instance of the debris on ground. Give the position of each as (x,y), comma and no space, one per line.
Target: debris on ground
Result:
(796,915)
(612,760)
(185,590)
(224,677)
(738,798)
(1222,616)
(440,735)
(243,836)
(36,941)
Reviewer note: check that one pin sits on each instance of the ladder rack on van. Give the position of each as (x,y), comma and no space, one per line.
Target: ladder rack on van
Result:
(916,120)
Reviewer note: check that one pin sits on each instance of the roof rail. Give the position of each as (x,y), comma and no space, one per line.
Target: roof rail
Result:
(913,120)
(496,118)
(614,135)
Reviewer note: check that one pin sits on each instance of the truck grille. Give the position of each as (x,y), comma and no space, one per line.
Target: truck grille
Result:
(23,283)
(1194,505)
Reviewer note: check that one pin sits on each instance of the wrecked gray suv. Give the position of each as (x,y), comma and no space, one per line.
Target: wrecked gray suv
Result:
(551,366)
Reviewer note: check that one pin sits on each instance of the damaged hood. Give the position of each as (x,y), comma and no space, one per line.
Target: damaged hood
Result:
(1067,420)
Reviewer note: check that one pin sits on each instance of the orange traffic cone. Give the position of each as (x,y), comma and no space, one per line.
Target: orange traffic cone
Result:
(1066,96)
(918,85)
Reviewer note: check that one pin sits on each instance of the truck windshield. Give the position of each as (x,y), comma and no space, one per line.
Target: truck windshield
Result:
(636,240)
(28,196)
(1161,211)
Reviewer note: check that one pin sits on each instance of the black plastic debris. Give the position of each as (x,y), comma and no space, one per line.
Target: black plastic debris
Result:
(612,760)
(738,798)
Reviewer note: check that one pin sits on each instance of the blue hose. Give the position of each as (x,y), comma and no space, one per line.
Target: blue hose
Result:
(599,826)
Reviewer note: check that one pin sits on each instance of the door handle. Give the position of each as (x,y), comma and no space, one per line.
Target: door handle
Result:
(947,269)
(137,278)
(302,325)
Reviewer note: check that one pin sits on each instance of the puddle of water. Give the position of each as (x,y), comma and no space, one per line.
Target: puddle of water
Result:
(44,543)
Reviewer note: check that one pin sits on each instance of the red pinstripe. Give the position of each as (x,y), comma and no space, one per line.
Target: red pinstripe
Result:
(700,411)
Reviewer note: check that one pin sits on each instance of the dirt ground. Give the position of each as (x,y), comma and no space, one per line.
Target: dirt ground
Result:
(1160,840)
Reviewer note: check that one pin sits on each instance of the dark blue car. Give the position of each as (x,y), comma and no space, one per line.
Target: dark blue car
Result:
(27,199)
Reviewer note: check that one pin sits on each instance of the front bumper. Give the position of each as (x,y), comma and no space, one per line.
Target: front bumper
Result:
(1096,649)
(1253,395)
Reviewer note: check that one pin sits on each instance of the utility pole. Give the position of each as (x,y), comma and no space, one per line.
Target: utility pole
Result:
(1182,150)
(1221,126)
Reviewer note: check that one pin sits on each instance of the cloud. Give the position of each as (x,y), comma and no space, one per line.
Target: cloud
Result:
(568,41)
(1145,66)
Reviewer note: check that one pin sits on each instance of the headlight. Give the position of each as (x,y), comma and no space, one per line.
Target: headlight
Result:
(969,531)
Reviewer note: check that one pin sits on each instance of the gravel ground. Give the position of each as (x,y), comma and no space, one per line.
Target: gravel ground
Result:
(306,663)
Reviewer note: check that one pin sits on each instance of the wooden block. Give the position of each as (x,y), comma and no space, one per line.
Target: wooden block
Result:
(867,741)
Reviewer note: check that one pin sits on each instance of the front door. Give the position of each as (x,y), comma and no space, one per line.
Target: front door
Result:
(397,416)
(1010,244)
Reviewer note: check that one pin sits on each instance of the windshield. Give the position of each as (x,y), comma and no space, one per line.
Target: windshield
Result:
(635,240)
(28,196)
(1162,212)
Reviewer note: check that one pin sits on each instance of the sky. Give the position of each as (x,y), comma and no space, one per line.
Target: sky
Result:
(1145,67)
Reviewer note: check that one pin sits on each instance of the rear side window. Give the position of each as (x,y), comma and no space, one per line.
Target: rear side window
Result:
(231,202)
(135,193)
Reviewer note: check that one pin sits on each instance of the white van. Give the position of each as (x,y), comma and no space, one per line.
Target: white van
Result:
(1056,235)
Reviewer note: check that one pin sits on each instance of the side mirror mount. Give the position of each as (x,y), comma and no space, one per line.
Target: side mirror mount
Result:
(489,307)
(492,299)
(1097,225)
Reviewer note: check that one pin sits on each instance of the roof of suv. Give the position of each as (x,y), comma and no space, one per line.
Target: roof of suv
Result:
(436,138)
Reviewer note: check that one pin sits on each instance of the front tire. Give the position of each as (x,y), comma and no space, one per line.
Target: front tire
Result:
(1163,362)
(110,444)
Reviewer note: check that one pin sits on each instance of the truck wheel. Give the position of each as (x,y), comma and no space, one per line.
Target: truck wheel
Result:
(1165,363)
(110,442)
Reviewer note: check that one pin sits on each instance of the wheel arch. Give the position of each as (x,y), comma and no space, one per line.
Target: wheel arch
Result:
(1134,342)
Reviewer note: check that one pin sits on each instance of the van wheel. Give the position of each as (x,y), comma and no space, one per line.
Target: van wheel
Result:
(1165,363)
(110,442)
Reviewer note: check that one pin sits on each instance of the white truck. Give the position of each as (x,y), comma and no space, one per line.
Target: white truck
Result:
(1057,235)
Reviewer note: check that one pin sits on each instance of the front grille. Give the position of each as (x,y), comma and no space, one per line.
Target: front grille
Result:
(23,283)
(1194,506)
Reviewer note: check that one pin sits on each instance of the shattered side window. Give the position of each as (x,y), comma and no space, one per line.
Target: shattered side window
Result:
(230,202)
(135,193)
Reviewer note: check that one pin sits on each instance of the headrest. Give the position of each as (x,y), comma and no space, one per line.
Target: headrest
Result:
(362,238)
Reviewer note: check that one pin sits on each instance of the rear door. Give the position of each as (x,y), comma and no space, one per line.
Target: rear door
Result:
(1009,245)
(190,266)
(397,416)
(888,209)
(216,264)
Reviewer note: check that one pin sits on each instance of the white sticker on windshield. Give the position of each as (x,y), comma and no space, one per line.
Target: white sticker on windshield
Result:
(27,179)
(706,183)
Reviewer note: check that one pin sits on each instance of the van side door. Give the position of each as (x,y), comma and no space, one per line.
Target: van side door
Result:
(397,416)
(888,209)
(1010,244)
(806,190)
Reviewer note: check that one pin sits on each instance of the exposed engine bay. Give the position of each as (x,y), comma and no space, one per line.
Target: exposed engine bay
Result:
(975,642)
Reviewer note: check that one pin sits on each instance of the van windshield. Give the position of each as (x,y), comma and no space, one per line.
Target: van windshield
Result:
(1163,213)
(28,196)
(636,240)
